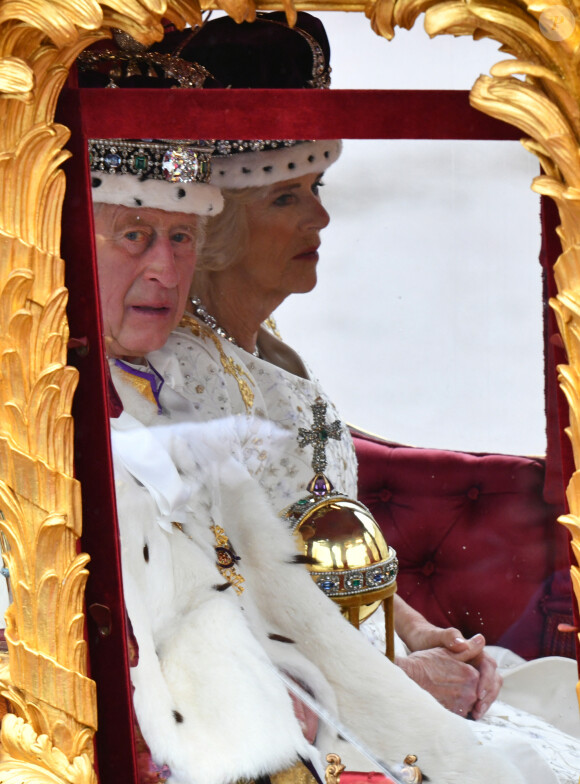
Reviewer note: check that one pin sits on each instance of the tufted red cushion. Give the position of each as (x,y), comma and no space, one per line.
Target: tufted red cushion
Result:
(474,537)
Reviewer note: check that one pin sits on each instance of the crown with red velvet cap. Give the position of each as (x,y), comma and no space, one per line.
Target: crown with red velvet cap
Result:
(265,53)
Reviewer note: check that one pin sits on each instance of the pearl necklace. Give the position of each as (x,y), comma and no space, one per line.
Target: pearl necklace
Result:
(200,311)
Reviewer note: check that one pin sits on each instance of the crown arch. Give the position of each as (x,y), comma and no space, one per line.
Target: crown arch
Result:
(48,736)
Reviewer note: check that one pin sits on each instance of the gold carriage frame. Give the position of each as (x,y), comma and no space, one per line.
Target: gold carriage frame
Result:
(48,736)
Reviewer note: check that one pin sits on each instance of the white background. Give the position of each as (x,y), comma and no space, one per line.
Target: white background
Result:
(426,324)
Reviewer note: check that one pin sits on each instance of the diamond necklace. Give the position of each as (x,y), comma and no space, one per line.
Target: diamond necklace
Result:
(210,321)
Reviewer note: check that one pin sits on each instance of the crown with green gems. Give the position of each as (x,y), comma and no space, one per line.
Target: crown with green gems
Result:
(175,161)
(156,173)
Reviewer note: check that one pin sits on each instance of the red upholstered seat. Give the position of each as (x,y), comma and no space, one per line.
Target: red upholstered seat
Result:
(477,544)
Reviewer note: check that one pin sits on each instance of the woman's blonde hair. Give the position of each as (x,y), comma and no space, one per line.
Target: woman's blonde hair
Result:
(226,234)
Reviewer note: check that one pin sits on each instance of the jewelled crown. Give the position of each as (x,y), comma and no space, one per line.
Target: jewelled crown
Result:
(133,65)
(162,174)
(265,53)
(175,161)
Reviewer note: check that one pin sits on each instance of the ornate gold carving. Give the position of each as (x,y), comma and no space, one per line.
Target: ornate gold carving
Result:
(410,772)
(333,769)
(28,757)
(16,78)
(50,736)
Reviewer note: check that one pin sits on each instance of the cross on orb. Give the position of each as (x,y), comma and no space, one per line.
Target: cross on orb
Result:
(319,434)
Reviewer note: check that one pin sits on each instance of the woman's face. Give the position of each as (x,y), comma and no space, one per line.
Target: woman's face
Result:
(284,236)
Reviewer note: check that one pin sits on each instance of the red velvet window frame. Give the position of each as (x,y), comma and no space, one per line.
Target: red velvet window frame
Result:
(97,113)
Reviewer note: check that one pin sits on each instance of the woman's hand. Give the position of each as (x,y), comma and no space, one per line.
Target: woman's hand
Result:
(464,680)
(472,651)
(456,671)
(453,683)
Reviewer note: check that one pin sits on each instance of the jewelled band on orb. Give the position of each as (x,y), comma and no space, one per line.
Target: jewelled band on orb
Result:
(359,581)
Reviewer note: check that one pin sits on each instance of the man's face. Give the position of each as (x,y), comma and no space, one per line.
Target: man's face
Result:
(146,260)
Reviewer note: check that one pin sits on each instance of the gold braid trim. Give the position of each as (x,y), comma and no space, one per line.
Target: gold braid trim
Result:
(142,385)
(270,324)
(297,774)
(228,364)
(230,573)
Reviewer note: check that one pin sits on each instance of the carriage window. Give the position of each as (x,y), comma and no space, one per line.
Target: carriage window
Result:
(429,276)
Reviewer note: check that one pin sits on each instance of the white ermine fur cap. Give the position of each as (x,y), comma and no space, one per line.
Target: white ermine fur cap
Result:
(253,163)
(164,175)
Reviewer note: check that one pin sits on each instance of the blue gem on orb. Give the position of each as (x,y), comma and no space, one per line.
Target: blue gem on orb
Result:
(328,584)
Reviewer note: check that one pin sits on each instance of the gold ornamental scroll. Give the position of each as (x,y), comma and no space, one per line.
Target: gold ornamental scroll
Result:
(47,735)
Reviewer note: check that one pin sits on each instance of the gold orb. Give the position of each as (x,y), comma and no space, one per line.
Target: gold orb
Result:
(347,554)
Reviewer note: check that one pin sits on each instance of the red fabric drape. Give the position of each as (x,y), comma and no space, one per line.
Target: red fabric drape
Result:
(106,621)
(559,456)
(356,777)
(285,114)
